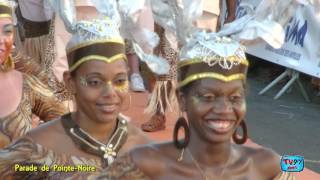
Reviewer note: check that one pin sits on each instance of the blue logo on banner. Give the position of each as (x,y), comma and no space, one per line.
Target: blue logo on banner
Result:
(292,163)
(296,33)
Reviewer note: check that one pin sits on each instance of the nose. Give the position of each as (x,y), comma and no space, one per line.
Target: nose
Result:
(109,91)
(222,106)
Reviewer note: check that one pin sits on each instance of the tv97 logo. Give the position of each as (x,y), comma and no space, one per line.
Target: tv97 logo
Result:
(292,163)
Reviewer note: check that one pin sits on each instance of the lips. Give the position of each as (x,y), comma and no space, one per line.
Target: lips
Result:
(220,126)
(107,108)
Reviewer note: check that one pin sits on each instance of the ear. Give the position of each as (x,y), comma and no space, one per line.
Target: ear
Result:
(182,100)
(69,82)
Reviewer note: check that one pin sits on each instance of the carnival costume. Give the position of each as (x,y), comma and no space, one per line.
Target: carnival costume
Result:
(35,39)
(36,99)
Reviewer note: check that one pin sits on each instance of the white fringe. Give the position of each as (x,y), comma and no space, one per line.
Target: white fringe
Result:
(156,101)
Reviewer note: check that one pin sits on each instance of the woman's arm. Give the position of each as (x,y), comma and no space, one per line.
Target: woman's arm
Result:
(29,66)
(44,103)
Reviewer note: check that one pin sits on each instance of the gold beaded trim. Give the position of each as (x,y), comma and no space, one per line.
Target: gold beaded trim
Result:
(199,60)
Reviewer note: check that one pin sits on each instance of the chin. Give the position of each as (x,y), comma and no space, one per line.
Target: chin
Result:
(107,118)
(219,139)
(216,138)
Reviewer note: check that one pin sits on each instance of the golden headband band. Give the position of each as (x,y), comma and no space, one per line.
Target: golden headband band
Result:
(97,58)
(5,10)
(101,51)
(195,69)
(211,75)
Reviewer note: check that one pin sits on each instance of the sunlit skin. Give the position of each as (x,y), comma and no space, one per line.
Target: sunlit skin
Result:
(100,90)
(98,104)
(206,102)
(6,38)
(212,100)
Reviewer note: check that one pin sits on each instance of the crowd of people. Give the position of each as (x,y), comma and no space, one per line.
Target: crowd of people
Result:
(67,69)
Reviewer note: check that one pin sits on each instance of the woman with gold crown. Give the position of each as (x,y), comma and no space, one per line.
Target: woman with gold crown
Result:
(21,95)
(212,81)
(95,134)
(163,97)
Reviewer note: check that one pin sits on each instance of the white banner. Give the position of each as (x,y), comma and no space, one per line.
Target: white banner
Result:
(301,50)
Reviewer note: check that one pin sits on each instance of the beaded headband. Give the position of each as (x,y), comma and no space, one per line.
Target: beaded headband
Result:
(215,55)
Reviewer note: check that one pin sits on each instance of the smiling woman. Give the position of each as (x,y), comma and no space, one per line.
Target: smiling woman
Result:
(96,133)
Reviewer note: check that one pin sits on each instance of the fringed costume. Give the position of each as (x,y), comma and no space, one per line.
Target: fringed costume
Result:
(163,96)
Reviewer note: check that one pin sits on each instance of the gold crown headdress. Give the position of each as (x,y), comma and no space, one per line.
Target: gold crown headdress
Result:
(209,54)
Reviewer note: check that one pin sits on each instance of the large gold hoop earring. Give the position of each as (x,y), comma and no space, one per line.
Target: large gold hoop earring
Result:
(241,139)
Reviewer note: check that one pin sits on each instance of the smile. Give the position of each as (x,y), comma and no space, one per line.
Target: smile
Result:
(220,126)
(107,108)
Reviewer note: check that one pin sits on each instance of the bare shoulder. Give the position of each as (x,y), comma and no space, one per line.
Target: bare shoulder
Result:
(137,134)
(266,161)
(154,154)
(50,130)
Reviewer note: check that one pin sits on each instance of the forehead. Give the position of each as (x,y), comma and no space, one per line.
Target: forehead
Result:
(103,68)
(5,21)
(217,85)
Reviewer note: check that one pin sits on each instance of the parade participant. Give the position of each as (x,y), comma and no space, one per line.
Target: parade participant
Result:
(36,39)
(96,133)
(212,81)
(163,87)
(21,95)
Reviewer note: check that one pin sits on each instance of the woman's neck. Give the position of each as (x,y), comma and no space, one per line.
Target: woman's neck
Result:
(207,153)
(100,131)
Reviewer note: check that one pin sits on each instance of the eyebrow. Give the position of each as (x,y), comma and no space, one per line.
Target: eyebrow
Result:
(99,74)
(121,74)
(8,25)
(94,74)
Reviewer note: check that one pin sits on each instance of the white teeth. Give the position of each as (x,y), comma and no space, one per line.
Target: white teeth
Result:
(108,108)
(219,124)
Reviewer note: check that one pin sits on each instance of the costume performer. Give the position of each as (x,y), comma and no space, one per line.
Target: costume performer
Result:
(21,95)
(163,87)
